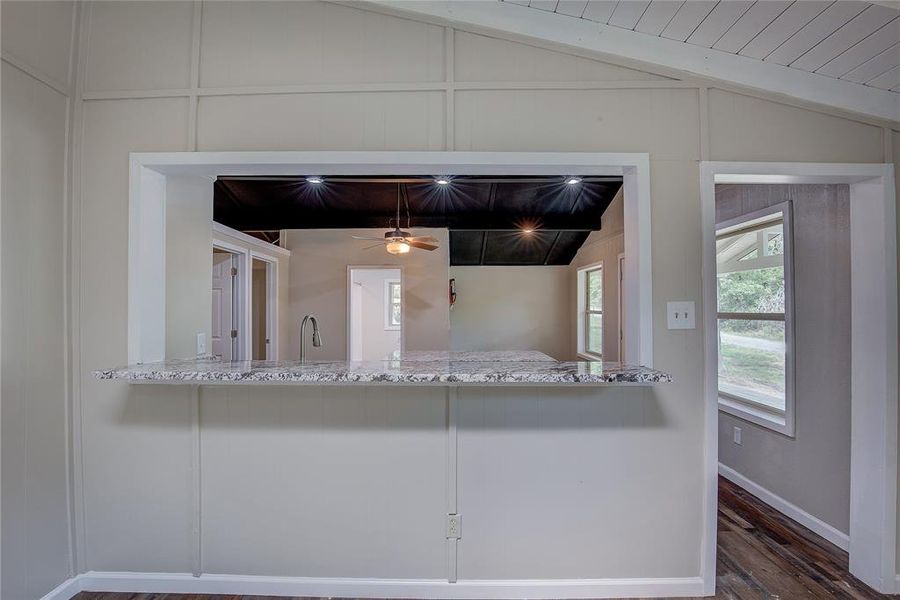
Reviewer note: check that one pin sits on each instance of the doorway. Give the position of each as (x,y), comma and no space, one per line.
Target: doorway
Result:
(224,331)
(873,346)
(375,313)
(262,309)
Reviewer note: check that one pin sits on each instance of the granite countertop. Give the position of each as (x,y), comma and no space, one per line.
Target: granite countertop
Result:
(424,368)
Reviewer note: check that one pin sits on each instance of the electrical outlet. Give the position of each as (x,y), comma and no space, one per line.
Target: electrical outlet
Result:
(680,315)
(454,530)
(737,436)
(201,344)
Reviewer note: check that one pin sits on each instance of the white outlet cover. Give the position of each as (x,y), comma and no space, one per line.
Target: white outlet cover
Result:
(680,315)
(201,344)
(738,438)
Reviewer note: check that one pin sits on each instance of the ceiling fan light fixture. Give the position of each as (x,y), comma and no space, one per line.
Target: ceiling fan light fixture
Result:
(314,179)
(397,247)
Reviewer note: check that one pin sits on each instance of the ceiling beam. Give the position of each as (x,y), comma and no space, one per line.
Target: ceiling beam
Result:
(615,42)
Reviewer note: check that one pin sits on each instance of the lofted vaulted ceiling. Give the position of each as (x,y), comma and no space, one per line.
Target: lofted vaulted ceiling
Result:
(841,54)
(493,220)
(857,42)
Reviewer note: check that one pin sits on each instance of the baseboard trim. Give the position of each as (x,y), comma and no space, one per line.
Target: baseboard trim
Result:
(185,583)
(833,535)
(67,589)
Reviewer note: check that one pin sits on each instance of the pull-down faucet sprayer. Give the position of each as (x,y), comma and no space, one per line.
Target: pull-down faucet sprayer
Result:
(316,337)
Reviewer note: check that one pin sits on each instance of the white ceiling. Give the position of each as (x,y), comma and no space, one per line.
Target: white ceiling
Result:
(857,42)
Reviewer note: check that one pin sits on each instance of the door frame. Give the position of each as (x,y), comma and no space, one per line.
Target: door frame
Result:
(874,339)
(240,304)
(376,267)
(271,302)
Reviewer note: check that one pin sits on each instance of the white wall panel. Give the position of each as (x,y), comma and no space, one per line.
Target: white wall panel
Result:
(324,481)
(138,46)
(745,128)
(662,122)
(342,121)
(513,308)
(39,34)
(35,550)
(548,485)
(482,58)
(136,440)
(260,43)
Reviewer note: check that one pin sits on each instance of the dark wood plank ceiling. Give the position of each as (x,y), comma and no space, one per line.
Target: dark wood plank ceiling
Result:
(486,215)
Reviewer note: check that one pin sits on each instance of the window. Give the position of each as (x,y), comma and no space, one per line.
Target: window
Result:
(754,317)
(590,312)
(392,304)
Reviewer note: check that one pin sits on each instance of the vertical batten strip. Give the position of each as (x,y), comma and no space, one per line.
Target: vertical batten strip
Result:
(452,399)
(195,74)
(450,94)
(197,488)
(704,122)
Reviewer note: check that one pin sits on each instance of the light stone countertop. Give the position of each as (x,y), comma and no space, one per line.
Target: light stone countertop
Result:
(424,368)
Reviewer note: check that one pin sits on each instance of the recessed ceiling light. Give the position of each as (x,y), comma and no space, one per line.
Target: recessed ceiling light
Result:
(442,181)
(527,230)
(573,180)
(314,179)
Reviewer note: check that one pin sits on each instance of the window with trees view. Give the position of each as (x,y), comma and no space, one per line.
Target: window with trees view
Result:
(754,317)
(392,304)
(590,309)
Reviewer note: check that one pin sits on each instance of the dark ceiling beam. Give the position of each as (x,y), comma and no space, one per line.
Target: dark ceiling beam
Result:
(423,179)
(552,247)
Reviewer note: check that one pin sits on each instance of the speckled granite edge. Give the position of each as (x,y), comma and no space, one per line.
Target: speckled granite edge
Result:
(386,372)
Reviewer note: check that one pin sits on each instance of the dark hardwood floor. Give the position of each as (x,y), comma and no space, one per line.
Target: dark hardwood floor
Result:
(761,554)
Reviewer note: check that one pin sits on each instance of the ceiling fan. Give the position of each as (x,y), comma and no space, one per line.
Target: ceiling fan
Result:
(397,241)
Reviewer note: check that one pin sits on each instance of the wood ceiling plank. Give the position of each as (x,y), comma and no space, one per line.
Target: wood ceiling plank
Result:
(875,66)
(719,21)
(686,20)
(829,21)
(784,26)
(886,81)
(657,16)
(572,8)
(627,14)
(858,28)
(752,23)
(599,10)
(865,50)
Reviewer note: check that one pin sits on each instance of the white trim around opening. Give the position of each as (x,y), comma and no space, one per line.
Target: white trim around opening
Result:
(147,231)
(874,363)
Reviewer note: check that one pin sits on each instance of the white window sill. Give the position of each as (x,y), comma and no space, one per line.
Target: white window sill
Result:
(776,422)
(392,328)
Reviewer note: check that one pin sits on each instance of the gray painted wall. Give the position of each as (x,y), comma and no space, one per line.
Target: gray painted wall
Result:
(35,545)
(812,469)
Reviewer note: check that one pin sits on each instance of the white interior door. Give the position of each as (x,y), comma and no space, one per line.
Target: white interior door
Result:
(223,305)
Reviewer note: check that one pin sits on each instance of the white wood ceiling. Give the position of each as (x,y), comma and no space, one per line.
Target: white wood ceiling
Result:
(857,42)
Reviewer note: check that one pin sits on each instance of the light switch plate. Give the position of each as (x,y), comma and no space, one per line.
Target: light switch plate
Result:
(680,315)
(201,344)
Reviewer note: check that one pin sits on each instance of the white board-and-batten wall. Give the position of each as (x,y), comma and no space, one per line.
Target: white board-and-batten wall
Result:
(318,76)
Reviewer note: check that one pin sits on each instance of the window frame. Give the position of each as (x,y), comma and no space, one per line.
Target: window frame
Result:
(388,304)
(734,404)
(583,310)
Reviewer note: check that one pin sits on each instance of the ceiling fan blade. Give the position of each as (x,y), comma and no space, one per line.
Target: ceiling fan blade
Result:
(373,246)
(421,245)
(427,239)
(359,237)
